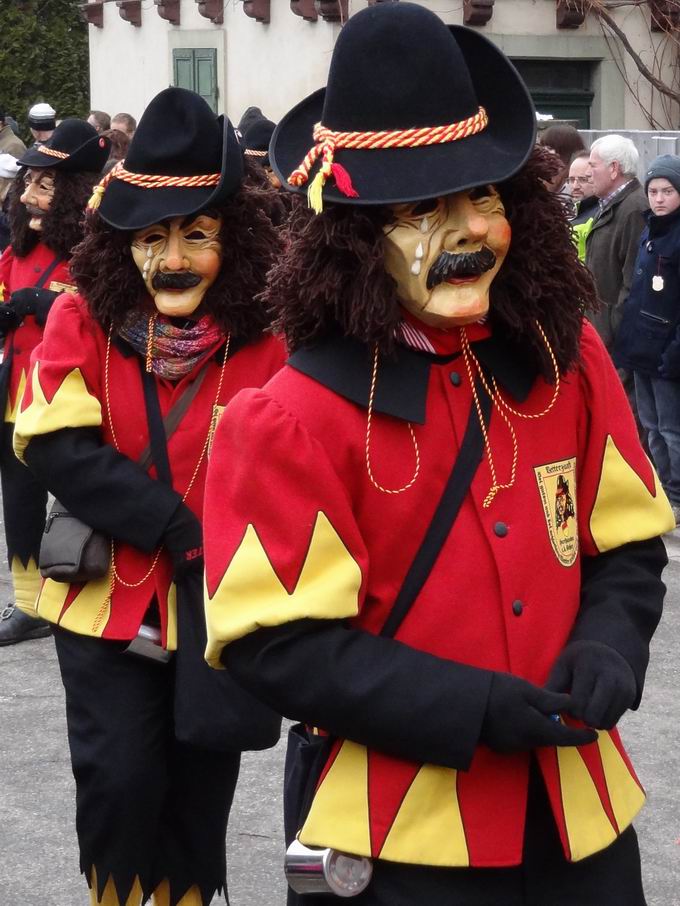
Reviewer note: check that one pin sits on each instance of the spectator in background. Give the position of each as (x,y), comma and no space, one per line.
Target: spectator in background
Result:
(9,142)
(580,185)
(125,123)
(11,147)
(565,141)
(648,341)
(612,244)
(99,120)
(42,122)
(8,171)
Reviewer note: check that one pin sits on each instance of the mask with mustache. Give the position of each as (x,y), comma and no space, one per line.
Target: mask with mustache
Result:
(179,259)
(444,253)
(175,280)
(461,264)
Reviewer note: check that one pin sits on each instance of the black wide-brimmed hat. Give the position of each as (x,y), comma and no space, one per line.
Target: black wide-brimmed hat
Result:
(75,147)
(256,138)
(453,109)
(181,159)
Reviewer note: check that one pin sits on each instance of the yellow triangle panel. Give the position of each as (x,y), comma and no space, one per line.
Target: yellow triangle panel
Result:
(251,595)
(428,829)
(589,830)
(624,509)
(624,792)
(87,614)
(339,813)
(72,406)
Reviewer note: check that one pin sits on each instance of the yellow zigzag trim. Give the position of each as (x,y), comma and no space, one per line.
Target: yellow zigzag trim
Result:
(26,581)
(251,595)
(72,406)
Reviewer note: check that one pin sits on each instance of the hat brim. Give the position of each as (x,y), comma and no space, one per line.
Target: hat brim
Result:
(400,175)
(90,157)
(129,207)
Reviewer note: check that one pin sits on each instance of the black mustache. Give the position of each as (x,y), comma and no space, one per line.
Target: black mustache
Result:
(461,264)
(179,280)
(33,211)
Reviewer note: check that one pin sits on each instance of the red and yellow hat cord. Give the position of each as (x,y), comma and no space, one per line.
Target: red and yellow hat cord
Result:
(62,155)
(150,181)
(328,141)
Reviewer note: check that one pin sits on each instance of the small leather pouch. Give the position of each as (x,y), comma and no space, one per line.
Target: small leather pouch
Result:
(71,551)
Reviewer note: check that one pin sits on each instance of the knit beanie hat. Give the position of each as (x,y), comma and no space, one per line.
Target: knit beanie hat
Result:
(41,117)
(666,166)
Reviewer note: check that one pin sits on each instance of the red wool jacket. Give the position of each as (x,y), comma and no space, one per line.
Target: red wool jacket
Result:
(297,531)
(71,386)
(19,273)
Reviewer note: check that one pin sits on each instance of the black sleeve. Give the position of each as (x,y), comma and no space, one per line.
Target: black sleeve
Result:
(373,690)
(622,600)
(101,486)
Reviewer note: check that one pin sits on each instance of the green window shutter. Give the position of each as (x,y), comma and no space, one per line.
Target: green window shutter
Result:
(183,69)
(195,68)
(205,70)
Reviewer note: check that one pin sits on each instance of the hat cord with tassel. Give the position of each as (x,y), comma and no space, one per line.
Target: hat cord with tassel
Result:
(150,181)
(328,141)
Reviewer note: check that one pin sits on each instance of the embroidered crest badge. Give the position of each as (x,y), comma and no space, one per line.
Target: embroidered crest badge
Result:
(557,487)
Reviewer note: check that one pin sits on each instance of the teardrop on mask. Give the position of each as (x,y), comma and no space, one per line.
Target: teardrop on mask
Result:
(415,268)
(424,225)
(419,251)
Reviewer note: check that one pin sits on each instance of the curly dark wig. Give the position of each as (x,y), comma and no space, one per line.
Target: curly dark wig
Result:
(334,276)
(106,275)
(277,203)
(62,224)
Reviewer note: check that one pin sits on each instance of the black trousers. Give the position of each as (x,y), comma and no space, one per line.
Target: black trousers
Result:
(147,805)
(24,503)
(609,878)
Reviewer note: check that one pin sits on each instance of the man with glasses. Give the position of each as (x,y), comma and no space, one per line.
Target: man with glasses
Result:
(583,196)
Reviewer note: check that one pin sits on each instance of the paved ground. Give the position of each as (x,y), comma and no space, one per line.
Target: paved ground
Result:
(38,857)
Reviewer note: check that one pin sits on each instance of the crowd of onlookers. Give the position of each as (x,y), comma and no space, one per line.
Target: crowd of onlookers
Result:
(627,234)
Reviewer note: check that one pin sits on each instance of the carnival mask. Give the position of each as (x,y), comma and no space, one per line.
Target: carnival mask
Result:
(179,259)
(445,252)
(37,195)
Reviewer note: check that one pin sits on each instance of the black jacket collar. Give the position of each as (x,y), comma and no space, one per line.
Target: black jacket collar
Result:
(344,366)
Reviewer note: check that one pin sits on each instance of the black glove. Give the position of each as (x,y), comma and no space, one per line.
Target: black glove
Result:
(600,681)
(183,539)
(518,717)
(33,301)
(8,319)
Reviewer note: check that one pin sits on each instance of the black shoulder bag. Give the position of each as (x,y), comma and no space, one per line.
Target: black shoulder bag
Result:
(72,551)
(307,754)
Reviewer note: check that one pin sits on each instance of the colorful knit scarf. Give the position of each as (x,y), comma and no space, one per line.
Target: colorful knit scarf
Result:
(174,351)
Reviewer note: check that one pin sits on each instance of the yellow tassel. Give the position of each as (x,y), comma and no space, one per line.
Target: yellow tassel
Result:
(96,198)
(315,192)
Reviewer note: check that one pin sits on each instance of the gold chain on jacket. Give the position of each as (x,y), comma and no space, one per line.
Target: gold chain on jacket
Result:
(115,575)
(504,409)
